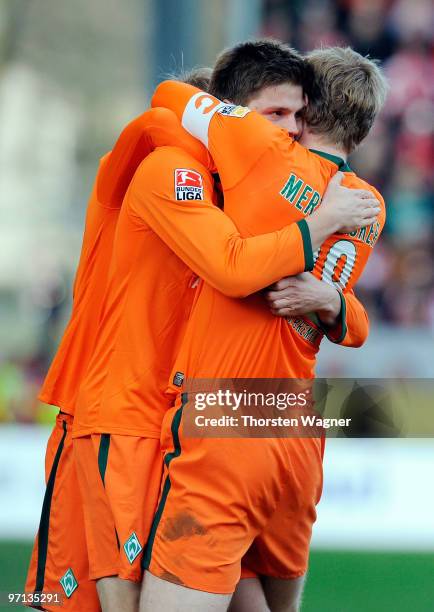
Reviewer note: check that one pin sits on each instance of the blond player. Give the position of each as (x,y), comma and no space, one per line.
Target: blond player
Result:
(255,495)
(159,241)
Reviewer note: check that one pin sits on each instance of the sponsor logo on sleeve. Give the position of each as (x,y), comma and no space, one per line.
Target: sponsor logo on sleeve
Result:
(232,110)
(188,185)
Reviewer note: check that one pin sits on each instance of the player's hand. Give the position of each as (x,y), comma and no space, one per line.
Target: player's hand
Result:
(349,208)
(302,294)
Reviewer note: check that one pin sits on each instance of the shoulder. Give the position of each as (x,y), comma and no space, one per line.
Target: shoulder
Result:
(169,157)
(165,161)
(356,182)
(169,174)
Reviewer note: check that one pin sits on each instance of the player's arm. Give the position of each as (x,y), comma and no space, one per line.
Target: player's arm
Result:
(236,137)
(347,322)
(340,315)
(351,326)
(339,263)
(203,236)
(153,128)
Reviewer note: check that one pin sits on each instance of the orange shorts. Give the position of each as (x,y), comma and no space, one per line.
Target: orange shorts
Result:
(120,479)
(226,501)
(59,562)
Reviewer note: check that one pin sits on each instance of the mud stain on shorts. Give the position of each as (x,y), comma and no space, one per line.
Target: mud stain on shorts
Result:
(182,525)
(171,578)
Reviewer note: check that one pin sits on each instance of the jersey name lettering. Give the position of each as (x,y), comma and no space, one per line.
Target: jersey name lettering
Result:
(303,196)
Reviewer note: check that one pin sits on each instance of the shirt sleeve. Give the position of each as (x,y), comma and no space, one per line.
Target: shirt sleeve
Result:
(154,128)
(352,327)
(236,137)
(341,261)
(203,236)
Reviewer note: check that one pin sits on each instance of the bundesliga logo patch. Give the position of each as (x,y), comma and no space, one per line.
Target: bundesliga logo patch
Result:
(188,184)
(232,110)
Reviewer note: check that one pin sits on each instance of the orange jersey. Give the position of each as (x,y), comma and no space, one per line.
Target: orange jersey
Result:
(69,365)
(168,228)
(153,128)
(114,174)
(268,181)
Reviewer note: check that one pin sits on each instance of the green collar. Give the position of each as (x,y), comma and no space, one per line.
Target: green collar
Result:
(341,163)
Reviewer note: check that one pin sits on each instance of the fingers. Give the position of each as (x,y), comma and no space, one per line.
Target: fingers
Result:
(279,303)
(272,296)
(282,312)
(283,283)
(368,221)
(364,194)
(284,292)
(372,210)
(370,213)
(365,216)
(365,220)
(369,203)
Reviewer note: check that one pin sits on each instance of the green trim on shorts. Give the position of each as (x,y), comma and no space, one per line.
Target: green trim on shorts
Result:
(167,484)
(44,523)
(103,451)
(104,446)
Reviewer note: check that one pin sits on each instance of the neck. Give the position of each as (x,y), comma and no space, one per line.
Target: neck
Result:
(320,143)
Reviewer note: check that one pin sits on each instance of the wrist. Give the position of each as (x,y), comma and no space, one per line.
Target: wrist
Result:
(331,307)
(329,218)
(322,224)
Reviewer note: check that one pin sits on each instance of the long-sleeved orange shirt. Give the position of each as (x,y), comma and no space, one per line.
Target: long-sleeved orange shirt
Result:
(162,128)
(72,357)
(115,171)
(280,181)
(169,230)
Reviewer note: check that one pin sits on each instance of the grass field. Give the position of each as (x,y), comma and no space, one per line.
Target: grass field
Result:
(338,581)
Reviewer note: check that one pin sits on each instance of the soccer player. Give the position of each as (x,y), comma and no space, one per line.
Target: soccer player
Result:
(59,561)
(223,497)
(61,525)
(149,294)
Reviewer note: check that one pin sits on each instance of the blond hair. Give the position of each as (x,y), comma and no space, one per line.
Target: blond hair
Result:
(350,92)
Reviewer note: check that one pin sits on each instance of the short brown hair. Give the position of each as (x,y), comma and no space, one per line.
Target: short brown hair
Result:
(199,77)
(243,70)
(350,92)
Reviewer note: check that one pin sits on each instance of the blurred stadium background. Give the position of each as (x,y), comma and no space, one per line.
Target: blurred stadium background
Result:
(71,75)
